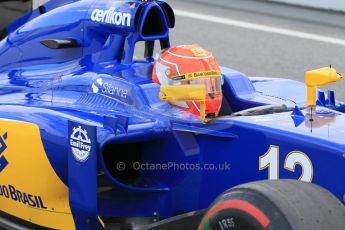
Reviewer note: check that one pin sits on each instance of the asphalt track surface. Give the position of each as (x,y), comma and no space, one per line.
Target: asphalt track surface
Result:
(264,39)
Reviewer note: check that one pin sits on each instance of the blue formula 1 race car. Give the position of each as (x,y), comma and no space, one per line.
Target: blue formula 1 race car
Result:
(91,138)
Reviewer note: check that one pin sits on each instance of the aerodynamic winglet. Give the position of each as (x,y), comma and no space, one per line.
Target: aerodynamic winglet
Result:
(60,43)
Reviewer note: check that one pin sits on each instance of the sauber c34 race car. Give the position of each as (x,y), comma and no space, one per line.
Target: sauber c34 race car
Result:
(88,140)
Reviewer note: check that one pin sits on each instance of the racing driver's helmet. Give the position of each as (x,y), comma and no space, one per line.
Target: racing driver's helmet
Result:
(190,65)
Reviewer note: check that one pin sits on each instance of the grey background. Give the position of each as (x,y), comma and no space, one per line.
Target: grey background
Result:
(259,53)
(324,4)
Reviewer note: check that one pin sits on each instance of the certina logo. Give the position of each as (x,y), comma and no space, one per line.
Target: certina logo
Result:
(97,85)
(111,16)
(80,144)
(109,89)
(3,147)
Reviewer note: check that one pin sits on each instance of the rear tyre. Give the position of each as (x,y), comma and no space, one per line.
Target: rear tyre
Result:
(276,204)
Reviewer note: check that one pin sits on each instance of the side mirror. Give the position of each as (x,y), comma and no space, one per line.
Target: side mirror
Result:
(319,77)
(184,93)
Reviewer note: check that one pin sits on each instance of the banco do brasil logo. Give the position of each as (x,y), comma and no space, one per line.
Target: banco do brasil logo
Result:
(3,147)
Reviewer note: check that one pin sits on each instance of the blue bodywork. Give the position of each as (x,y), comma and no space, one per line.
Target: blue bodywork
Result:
(99,84)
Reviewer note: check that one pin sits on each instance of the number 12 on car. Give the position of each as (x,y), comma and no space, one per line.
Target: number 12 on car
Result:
(270,161)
